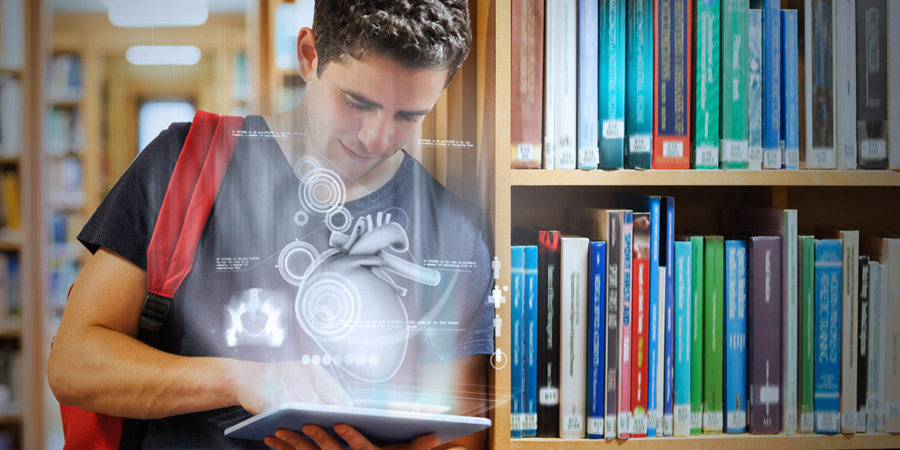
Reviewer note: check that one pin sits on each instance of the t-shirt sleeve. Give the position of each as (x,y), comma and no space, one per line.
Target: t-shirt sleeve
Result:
(125,219)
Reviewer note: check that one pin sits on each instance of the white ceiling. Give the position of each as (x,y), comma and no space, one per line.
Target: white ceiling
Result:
(96,6)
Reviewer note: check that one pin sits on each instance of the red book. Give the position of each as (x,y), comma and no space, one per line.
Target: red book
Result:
(640,337)
(672,43)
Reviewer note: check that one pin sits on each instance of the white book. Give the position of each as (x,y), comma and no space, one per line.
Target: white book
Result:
(874,369)
(790,322)
(560,79)
(893,58)
(667,420)
(12,34)
(573,333)
(884,272)
(845,83)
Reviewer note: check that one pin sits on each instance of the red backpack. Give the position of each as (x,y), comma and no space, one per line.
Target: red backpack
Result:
(185,209)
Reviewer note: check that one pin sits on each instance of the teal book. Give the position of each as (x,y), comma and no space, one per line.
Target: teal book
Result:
(639,85)
(827,368)
(807,344)
(790,113)
(683,267)
(734,123)
(706,97)
(735,336)
(612,84)
(754,88)
(713,333)
(697,334)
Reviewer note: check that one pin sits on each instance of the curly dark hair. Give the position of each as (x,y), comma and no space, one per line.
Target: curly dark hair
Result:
(419,34)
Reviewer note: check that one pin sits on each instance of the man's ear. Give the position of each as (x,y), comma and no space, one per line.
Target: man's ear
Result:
(306,53)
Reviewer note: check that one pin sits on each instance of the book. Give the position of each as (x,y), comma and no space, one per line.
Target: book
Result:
(862,358)
(530,336)
(11,193)
(790,119)
(667,260)
(874,371)
(771,82)
(713,333)
(735,336)
(818,58)
(754,89)
(596,344)
(893,52)
(10,116)
(880,407)
(683,268)
(640,333)
(612,84)
(639,84)
(665,423)
(828,335)
(849,310)
(573,333)
(871,84)
(626,313)
(887,251)
(845,82)
(12,35)
(764,334)
(697,287)
(526,89)
(588,83)
(560,79)
(706,92)
(672,53)
(733,148)
(807,341)
(517,316)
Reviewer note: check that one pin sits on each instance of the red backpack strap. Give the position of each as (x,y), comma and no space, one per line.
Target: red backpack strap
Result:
(185,209)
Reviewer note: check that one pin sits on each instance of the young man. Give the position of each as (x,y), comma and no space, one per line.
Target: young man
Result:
(325,242)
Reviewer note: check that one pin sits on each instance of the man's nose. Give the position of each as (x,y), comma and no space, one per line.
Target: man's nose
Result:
(375,133)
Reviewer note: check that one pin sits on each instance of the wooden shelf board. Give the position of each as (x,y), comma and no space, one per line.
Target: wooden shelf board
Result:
(11,334)
(11,71)
(9,160)
(10,419)
(524,177)
(718,442)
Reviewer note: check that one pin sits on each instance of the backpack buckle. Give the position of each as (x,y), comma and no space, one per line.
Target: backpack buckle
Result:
(153,315)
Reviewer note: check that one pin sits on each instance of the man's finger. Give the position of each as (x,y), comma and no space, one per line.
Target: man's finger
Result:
(425,442)
(321,438)
(354,438)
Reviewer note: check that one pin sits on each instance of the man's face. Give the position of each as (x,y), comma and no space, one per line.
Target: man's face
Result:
(361,111)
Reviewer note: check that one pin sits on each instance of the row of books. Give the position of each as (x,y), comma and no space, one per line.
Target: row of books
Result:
(680,84)
(10,293)
(65,187)
(623,330)
(12,34)
(65,131)
(10,208)
(10,116)
(65,78)
(10,380)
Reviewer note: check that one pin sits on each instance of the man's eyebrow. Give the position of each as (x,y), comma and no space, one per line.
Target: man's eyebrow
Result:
(365,101)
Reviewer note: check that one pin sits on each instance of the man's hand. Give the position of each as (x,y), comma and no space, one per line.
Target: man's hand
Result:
(317,439)
(260,386)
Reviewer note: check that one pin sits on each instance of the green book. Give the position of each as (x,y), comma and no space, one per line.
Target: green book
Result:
(733,149)
(706,97)
(806,380)
(696,334)
(713,335)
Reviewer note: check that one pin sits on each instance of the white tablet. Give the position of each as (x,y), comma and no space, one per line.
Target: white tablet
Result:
(380,426)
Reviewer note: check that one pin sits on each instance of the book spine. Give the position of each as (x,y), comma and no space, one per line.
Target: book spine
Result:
(697,285)
(736,336)
(874,350)
(560,125)
(893,60)
(891,258)
(640,301)
(612,84)
(806,381)
(669,258)
(820,142)
(613,274)
(789,315)
(548,334)
(530,335)
(683,267)
(596,339)
(707,73)
(790,119)
(885,272)
(573,329)
(754,88)
(871,83)
(666,422)
(656,347)
(527,88)
(733,153)
(625,318)
(588,96)
(672,87)
(517,278)
(639,84)
(828,335)
(713,336)
(765,334)
(771,71)
(862,360)
(845,82)
(849,331)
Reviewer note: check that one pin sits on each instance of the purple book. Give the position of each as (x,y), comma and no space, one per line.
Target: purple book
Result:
(764,334)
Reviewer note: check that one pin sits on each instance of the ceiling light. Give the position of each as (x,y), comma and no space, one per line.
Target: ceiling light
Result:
(163,55)
(157,13)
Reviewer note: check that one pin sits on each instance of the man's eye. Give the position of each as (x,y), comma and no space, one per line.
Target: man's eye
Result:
(409,119)
(356,106)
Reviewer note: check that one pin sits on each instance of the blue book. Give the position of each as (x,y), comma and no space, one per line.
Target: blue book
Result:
(530,306)
(827,365)
(517,278)
(683,289)
(754,88)
(667,258)
(735,336)
(596,338)
(771,82)
(588,57)
(639,86)
(612,84)
(790,115)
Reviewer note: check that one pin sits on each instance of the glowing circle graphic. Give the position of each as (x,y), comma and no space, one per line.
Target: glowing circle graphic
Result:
(328,307)
(339,220)
(294,261)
